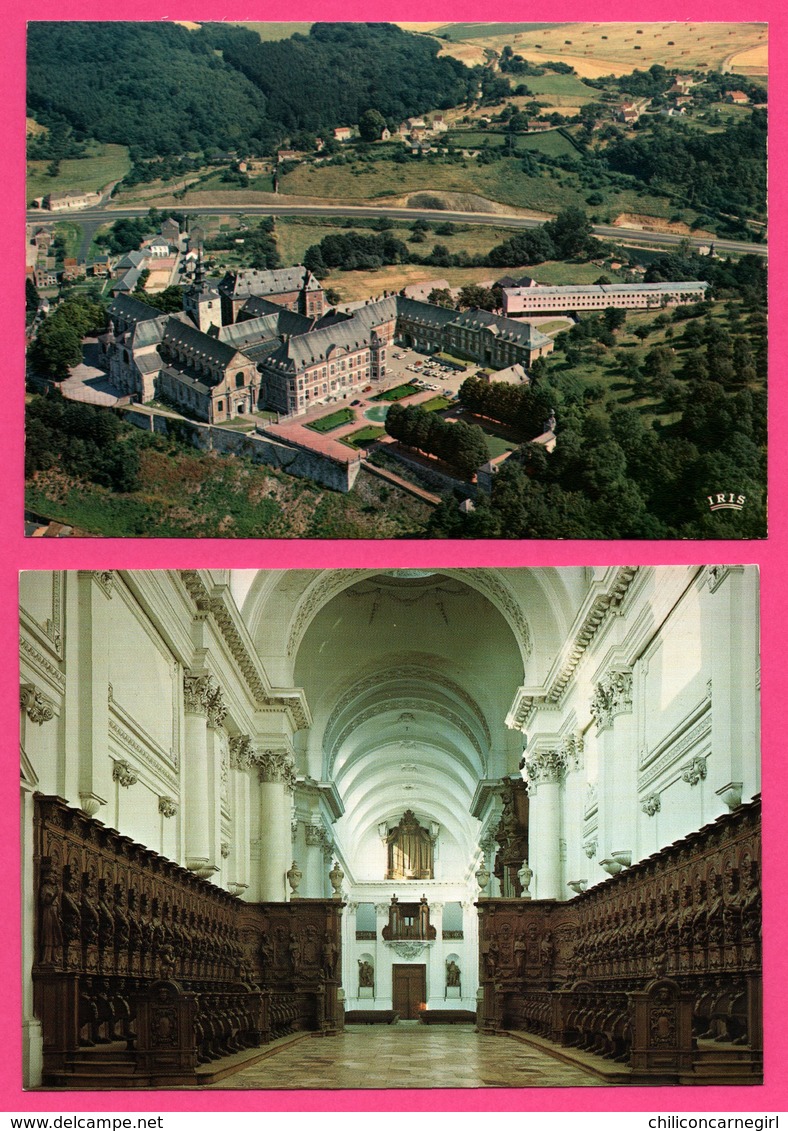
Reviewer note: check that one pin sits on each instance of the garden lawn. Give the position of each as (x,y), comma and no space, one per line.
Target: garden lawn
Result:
(332,421)
(363,437)
(398,393)
(435,404)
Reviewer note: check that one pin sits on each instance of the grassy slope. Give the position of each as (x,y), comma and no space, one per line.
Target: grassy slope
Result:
(502,181)
(185,494)
(87,174)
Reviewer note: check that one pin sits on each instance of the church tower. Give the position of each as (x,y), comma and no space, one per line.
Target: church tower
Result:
(202,302)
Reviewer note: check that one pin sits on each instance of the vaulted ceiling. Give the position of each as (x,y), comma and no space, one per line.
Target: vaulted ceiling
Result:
(409,675)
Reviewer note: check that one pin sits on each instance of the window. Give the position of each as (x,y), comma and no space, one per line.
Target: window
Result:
(239,380)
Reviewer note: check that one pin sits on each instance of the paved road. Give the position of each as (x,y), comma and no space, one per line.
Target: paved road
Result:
(503,220)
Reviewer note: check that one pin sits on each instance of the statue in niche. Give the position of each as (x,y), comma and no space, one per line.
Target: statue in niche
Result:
(366,975)
(452,973)
(410,850)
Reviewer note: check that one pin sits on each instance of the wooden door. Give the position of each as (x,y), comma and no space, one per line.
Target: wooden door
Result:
(409,989)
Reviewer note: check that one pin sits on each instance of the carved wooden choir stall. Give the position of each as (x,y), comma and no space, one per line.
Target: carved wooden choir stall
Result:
(137,953)
(658,968)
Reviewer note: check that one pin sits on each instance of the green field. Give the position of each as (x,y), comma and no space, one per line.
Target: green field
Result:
(273,31)
(106,163)
(560,90)
(332,421)
(551,142)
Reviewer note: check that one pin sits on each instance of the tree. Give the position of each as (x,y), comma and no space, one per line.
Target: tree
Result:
(439,296)
(570,232)
(371,125)
(474,296)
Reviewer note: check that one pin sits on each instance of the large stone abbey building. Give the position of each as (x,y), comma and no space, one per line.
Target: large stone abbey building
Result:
(264,339)
(523,800)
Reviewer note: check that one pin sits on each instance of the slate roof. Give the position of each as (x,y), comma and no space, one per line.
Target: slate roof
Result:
(132,310)
(203,345)
(237,284)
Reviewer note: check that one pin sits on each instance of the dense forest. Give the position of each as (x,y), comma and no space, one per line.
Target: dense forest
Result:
(723,171)
(162,89)
(82,440)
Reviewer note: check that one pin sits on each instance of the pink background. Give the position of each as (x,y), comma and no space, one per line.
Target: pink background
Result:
(17,554)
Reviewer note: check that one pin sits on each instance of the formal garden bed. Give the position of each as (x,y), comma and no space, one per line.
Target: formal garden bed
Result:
(398,393)
(332,421)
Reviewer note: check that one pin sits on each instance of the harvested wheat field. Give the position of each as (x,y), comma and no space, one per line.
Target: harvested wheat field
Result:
(596,49)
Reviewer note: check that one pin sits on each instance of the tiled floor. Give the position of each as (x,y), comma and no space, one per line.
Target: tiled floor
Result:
(409,1055)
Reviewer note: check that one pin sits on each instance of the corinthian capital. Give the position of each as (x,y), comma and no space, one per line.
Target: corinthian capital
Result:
(241,752)
(547,765)
(276,766)
(612,697)
(216,707)
(196,693)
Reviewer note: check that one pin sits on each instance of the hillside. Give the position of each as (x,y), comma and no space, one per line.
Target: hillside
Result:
(161,88)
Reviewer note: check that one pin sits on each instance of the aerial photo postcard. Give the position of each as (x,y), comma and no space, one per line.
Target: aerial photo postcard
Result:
(355,280)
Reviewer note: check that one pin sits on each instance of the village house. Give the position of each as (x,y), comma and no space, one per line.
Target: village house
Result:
(343,133)
(170,230)
(68,201)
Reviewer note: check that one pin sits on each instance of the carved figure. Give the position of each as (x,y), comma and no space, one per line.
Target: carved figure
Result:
(294,949)
(519,955)
(366,974)
(452,973)
(90,916)
(50,930)
(70,911)
(329,956)
(546,949)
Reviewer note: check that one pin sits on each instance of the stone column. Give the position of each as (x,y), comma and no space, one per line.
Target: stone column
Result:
(383,977)
(198,689)
(733,688)
(436,972)
(92,767)
(544,770)
(350,950)
(611,708)
(469,971)
(241,754)
(574,808)
(218,780)
(277,779)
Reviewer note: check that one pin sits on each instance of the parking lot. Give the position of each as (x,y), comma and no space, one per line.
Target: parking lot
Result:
(405,365)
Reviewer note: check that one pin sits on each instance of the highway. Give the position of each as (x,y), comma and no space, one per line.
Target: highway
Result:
(97,216)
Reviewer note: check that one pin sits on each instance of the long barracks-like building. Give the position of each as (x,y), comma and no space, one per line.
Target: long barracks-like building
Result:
(622,296)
